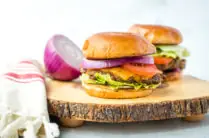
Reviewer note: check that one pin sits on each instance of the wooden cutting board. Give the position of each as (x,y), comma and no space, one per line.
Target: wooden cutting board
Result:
(186,97)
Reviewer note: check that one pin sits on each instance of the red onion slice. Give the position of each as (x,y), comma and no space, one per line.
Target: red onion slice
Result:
(97,64)
(177,70)
(62,58)
(142,60)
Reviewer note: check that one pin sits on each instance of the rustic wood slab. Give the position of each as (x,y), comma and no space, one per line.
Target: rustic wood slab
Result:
(186,97)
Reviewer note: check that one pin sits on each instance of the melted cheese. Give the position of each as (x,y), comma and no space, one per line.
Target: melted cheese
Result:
(122,73)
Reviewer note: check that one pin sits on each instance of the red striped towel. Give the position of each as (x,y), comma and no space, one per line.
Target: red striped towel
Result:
(23,104)
(25,72)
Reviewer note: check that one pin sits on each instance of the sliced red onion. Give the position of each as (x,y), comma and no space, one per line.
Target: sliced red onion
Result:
(177,70)
(62,58)
(96,64)
(142,60)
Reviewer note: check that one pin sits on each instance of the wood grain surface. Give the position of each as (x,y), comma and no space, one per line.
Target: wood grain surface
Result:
(186,97)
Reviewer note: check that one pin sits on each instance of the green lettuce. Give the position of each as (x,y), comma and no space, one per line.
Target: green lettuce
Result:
(105,79)
(171,51)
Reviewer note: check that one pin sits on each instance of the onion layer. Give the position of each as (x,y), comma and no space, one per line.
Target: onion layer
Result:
(96,64)
(62,58)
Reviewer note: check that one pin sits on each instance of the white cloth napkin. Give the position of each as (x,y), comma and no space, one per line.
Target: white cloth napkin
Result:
(23,102)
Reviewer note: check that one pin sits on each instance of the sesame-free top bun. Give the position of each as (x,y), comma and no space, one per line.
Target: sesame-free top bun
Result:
(158,34)
(103,91)
(108,45)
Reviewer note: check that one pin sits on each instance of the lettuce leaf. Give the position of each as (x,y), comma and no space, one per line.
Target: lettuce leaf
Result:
(171,51)
(105,79)
(169,54)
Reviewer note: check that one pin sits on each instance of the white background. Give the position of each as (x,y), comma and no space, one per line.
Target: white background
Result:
(26,25)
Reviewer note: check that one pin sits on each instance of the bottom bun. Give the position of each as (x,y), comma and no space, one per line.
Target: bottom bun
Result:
(172,76)
(106,92)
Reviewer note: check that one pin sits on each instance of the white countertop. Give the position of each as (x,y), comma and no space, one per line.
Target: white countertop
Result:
(174,128)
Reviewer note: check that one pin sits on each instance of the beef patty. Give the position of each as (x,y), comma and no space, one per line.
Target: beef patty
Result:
(175,63)
(156,79)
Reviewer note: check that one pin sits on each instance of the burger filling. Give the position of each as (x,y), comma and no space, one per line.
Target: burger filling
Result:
(123,77)
(173,64)
(171,57)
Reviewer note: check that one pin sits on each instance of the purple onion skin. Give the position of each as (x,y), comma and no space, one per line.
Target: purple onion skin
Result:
(97,64)
(56,66)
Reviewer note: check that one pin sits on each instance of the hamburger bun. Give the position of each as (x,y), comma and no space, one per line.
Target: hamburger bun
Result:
(172,76)
(158,34)
(106,92)
(109,45)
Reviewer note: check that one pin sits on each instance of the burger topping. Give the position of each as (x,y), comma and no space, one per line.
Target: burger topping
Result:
(142,70)
(169,57)
(107,79)
(119,74)
(172,51)
(175,63)
(120,78)
(162,60)
(108,63)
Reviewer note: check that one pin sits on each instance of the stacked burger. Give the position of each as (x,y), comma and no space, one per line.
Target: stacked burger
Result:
(118,65)
(170,56)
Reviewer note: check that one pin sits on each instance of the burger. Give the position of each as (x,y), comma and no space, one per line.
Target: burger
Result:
(117,66)
(170,56)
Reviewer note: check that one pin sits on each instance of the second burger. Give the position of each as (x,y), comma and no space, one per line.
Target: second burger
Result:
(117,65)
(170,56)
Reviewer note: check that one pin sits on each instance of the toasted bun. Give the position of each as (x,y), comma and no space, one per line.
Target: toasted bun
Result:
(172,76)
(158,34)
(107,92)
(110,45)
